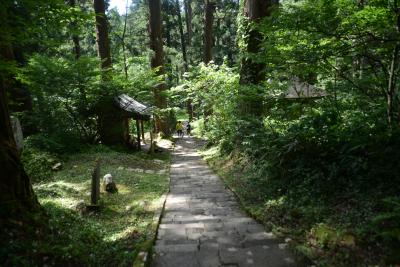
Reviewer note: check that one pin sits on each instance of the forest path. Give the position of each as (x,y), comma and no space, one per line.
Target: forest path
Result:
(203,226)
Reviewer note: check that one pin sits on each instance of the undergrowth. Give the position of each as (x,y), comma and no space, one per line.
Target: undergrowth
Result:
(68,236)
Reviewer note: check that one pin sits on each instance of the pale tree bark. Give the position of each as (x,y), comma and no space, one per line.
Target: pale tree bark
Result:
(157,62)
(209,9)
(393,96)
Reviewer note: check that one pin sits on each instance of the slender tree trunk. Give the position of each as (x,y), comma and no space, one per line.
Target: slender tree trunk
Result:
(75,37)
(188,16)
(393,91)
(230,51)
(156,44)
(16,194)
(183,44)
(209,9)
(123,41)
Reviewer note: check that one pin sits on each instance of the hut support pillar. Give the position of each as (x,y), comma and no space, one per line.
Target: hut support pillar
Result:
(138,135)
(142,128)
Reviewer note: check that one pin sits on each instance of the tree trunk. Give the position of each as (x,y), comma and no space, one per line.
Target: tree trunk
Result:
(253,72)
(209,9)
(103,43)
(123,41)
(112,128)
(188,16)
(156,44)
(254,10)
(393,91)
(16,194)
(183,44)
(75,37)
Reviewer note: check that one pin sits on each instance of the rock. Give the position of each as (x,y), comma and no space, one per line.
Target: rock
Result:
(108,183)
(149,171)
(111,188)
(158,161)
(57,166)
(80,207)
(120,168)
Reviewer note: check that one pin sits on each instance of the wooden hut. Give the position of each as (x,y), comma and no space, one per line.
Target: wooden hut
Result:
(303,90)
(132,109)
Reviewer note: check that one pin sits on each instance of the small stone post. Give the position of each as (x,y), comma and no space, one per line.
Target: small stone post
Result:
(95,194)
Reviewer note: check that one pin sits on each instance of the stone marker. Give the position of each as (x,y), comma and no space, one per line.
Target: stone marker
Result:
(109,184)
(57,166)
(95,192)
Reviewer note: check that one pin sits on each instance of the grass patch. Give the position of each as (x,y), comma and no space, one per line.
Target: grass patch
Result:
(111,237)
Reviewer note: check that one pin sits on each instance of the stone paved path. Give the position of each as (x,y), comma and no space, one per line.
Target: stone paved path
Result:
(203,225)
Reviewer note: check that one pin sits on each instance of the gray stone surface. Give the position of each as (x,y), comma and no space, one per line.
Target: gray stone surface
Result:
(203,226)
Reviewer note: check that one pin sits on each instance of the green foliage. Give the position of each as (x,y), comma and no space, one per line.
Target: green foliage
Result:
(314,167)
(386,226)
(37,164)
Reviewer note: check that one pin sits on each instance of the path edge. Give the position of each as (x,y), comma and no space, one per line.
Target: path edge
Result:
(301,257)
(145,256)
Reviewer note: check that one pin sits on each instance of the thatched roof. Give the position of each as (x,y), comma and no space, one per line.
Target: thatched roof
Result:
(133,108)
(299,89)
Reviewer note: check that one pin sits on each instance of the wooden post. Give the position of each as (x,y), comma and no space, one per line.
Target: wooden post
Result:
(142,128)
(138,135)
(152,131)
(95,194)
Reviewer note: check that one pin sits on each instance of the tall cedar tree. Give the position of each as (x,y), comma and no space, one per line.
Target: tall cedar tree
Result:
(75,37)
(209,9)
(156,44)
(183,43)
(103,43)
(253,71)
(188,16)
(113,128)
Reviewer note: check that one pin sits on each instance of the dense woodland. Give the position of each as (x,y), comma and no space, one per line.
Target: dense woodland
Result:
(298,100)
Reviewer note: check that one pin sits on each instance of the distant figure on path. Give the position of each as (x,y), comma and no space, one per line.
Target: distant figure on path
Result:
(179,128)
(188,128)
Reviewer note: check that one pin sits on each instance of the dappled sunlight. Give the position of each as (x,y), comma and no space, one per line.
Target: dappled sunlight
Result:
(64,202)
(125,233)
